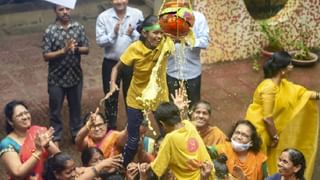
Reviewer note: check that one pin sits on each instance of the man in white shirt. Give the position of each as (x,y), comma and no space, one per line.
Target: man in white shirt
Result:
(115,31)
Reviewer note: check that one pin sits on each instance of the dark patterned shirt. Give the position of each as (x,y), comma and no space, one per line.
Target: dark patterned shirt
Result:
(64,71)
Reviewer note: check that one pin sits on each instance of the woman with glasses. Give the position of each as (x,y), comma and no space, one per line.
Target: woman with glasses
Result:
(243,151)
(95,134)
(284,113)
(25,148)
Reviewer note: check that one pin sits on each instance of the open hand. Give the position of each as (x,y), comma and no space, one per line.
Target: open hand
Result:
(180,98)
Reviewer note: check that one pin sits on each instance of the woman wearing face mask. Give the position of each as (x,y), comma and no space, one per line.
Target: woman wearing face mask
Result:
(245,161)
(291,166)
(143,55)
(283,112)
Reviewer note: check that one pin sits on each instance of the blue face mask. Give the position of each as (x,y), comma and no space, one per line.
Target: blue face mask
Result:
(239,147)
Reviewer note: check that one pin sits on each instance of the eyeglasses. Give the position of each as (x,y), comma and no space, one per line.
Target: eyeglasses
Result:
(24,113)
(98,126)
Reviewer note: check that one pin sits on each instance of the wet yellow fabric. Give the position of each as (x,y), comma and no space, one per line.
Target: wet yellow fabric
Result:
(295,116)
(148,82)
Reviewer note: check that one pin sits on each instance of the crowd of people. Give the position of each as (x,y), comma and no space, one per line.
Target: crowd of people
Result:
(277,140)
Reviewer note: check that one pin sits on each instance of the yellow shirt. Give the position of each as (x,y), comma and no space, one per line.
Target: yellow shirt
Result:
(143,60)
(182,151)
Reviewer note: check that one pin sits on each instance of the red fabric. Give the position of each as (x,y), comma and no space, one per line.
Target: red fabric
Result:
(28,148)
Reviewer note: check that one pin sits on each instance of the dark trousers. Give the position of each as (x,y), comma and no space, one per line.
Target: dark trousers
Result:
(111,104)
(135,118)
(193,87)
(56,98)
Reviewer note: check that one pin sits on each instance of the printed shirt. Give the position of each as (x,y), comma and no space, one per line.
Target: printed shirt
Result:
(64,71)
(183,151)
(114,45)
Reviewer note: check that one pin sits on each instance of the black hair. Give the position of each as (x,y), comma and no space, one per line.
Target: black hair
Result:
(55,164)
(9,110)
(88,153)
(168,113)
(87,116)
(255,138)
(276,63)
(148,21)
(206,103)
(297,158)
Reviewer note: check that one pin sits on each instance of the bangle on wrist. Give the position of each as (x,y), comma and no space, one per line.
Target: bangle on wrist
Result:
(35,156)
(88,126)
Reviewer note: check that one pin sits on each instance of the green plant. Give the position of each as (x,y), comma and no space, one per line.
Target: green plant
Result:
(303,52)
(255,64)
(273,35)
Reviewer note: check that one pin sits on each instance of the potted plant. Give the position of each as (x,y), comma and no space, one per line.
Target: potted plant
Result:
(273,35)
(302,56)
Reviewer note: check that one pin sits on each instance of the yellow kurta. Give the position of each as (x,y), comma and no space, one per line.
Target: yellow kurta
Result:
(295,117)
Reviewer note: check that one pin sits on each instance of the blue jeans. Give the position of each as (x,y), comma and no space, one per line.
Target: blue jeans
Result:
(56,98)
(135,118)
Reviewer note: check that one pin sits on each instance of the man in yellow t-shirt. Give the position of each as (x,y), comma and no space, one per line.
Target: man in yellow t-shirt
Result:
(182,150)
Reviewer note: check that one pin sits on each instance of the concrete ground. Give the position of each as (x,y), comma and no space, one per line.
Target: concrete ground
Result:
(227,86)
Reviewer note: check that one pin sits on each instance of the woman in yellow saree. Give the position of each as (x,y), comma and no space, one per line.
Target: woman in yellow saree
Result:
(284,114)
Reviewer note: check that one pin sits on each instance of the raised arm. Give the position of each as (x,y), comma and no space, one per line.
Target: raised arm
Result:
(13,164)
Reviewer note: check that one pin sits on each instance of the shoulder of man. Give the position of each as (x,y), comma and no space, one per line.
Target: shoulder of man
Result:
(135,10)
(51,27)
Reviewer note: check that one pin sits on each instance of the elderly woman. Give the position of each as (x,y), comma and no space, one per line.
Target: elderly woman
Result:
(284,112)
(291,165)
(24,149)
(94,134)
(200,117)
(245,160)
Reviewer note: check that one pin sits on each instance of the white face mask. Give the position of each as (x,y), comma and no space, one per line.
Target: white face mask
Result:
(239,147)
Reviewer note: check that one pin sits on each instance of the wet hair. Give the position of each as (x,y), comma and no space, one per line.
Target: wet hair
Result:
(88,153)
(9,110)
(168,113)
(276,63)
(206,103)
(297,158)
(255,138)
(87,116)
(55,164)
(148,21)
